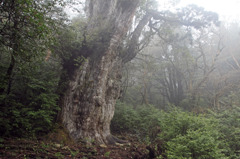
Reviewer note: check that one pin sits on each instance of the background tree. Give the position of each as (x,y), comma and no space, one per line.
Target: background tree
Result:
(174,56)
(27,96)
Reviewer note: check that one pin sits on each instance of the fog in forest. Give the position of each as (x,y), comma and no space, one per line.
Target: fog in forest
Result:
(142,79)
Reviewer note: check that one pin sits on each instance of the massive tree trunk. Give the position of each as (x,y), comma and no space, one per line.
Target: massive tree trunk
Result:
(92,90)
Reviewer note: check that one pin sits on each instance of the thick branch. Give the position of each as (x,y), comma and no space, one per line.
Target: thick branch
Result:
(132,48)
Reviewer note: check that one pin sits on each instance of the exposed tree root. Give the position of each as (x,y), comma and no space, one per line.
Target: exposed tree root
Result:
(112,140)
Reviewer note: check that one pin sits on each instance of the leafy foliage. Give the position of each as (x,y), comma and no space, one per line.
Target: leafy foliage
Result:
(31,106)
(28,81)
(230,129)
(195,144)
(143,121)
(190,136)
(179,134)
(125,119)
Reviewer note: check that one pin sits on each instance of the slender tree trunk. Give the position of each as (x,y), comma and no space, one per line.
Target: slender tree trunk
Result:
(88,103)
(8,77)
(9,74)
(14,42)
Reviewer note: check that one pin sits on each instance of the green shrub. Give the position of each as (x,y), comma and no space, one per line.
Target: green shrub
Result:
(194,145)
(149,124)
(31,106)
(186,135)
(143,121)
(179,134)
(230,131)
(177,122)
(125,119)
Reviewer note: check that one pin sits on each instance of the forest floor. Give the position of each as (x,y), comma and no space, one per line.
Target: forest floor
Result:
(28,148)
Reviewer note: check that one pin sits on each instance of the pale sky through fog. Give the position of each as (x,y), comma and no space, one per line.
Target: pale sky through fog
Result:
(227,9)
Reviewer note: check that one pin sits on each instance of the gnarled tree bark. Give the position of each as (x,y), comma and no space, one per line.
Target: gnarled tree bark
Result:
(87,103)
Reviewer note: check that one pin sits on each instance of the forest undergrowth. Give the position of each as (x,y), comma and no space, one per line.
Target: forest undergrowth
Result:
(150,132)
